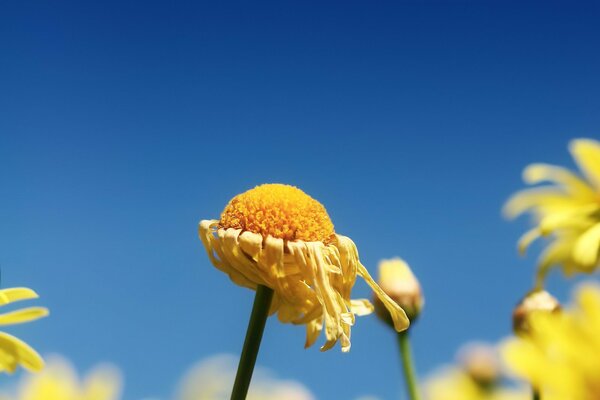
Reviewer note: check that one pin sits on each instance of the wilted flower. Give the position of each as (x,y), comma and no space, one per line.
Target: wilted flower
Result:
(568,211)
(398,281)
(476,377)
(211,379)
(560,355)
(14,352)
(277,236)
(59,381)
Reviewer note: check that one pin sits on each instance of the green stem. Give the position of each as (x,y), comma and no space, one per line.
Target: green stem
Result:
(536,395)
(410,376)
(256,326)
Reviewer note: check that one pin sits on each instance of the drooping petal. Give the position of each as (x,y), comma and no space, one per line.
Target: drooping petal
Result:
(401,321)
(214,245)
(361,307)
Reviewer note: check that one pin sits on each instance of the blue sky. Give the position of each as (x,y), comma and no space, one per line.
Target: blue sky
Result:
(123,124)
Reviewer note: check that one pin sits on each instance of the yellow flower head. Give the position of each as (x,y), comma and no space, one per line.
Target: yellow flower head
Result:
(59,381)
(398,281)
(560,355)
(14,352)
(477,377)
(568,211)
(277,236)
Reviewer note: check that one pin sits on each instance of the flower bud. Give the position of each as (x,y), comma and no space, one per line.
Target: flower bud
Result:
(536,301)
(398,281)
(480,362)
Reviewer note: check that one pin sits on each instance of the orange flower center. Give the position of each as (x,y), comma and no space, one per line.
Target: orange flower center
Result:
(281,211)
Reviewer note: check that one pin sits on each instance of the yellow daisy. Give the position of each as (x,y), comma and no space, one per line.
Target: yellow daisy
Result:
(560,355)
(13,351)
(568,211)
(60,381)
(279,237)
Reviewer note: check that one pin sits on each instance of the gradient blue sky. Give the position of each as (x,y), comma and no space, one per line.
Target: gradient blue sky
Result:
(122,124)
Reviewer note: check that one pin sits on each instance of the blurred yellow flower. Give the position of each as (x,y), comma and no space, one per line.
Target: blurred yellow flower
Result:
(560,356)
(212,379)
(568,210)
(277,236)
(477,377)
(59,381)
(15,352)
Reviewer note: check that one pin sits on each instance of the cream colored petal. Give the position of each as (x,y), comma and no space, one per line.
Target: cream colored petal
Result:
(537,173)
(270,259)
(332,310)
(401,321)
(213,245)
(16,352)
(348,254)
(235,257)
(10,295)
(23,315)
(586,248)
(586,153)
(361,307)
(313,330)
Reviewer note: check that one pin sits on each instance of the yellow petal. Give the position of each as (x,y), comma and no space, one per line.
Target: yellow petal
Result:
(401,321)
(10,295)
(361,307)
(586,248)
(537,173)
(23,315)
(14,352)
(586,153)
(527,238)
(538,199)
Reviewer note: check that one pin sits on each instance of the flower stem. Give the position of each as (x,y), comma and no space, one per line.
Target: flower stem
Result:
(536,394)
(408,366)
(256,326)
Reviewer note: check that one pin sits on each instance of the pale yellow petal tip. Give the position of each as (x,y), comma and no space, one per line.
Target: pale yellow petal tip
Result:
(526,240)
(577,146)
(535,173)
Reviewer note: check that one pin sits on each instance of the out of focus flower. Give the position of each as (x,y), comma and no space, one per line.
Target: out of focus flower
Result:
(568,211)
(59,381)
(476,377)
(13,351)
(537,301)
(560,355)
(398,281)
(277,236)
(213,378)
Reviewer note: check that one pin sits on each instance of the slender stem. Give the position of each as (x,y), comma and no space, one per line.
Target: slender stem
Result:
(536,394)
(412,385)
(256,326)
